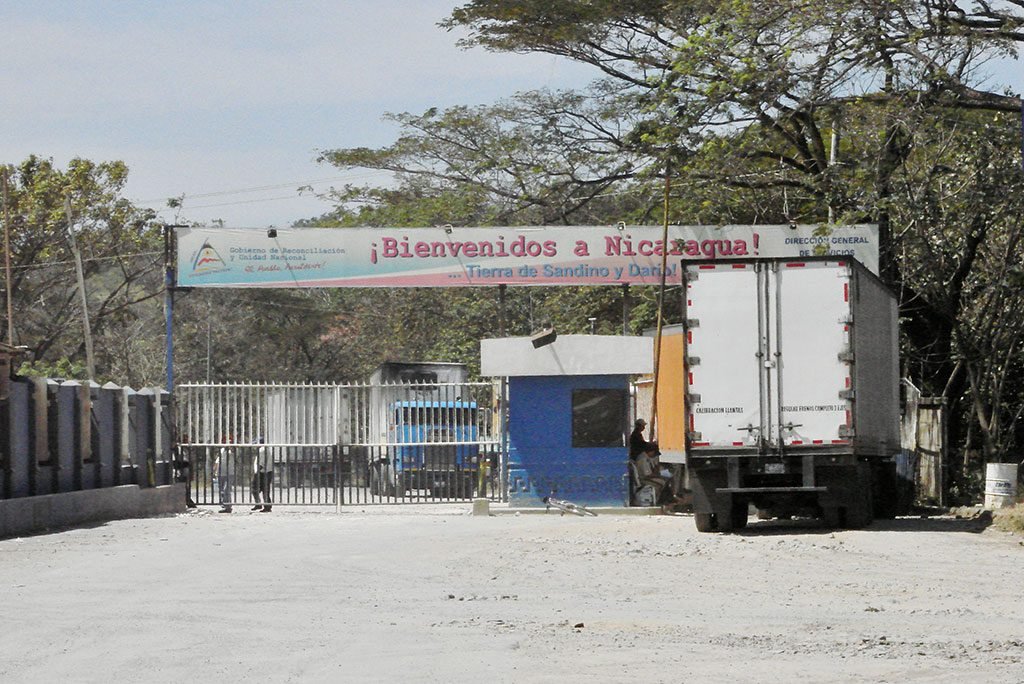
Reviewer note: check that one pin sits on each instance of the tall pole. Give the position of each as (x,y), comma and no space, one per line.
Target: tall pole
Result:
(170,285)
(625,308)
(209,315)
(169,309)
(90,365)
(661,309)
(501,310)
(7,265)
(833,159)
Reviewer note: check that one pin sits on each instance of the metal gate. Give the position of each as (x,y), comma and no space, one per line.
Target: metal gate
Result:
(342,444)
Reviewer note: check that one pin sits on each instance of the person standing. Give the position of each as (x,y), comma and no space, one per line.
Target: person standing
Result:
(224,466)
(256,480)
(263,474)
(183,473)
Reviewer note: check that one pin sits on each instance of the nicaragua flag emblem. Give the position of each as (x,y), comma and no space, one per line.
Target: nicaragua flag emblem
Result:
(207,260)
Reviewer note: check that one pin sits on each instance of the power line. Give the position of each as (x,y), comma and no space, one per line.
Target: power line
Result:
(48,264)
(228,204)
(262,188)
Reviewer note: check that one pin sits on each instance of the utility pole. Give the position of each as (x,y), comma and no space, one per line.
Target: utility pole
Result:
(168,309)
(170,285)
(89,362)
(833,159)
(661,308)
(7,264)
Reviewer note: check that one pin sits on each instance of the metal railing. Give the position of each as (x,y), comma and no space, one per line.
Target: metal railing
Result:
(340,444)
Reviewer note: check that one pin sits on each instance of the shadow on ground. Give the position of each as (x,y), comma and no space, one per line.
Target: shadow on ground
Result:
(918,523)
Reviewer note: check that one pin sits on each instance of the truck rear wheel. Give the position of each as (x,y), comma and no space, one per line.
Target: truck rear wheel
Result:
(708,512)
(885,504)
(724,519)
(859,512)
(739,513)
(834,516)
(848,501)
(705,522)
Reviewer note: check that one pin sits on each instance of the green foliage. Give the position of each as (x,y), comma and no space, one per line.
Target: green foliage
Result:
(62,368)
(117,242)
(520,162)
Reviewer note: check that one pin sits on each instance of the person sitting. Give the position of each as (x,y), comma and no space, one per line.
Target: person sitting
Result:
(650,472)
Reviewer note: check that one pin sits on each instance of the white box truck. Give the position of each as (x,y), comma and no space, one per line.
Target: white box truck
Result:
(792,387)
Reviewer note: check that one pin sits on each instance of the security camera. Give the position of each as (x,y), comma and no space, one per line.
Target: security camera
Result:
(543,338)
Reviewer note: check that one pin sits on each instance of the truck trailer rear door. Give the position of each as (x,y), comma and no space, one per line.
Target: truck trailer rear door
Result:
(764,350)
(723,339)
(811,318)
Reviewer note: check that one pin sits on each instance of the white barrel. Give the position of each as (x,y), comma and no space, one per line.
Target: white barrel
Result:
(1000,485)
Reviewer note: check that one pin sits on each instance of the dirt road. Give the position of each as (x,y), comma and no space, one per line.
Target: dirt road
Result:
(424,594)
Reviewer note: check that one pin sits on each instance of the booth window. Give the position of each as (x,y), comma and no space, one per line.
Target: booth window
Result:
(598,418)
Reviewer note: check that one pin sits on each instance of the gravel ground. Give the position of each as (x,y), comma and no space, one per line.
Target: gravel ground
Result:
(432,594)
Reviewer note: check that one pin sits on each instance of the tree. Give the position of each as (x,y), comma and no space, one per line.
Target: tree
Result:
(779,111)
(121,252)
(540,158)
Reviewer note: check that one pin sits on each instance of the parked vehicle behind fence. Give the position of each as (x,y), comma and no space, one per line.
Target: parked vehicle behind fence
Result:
(433,445)
(427,424)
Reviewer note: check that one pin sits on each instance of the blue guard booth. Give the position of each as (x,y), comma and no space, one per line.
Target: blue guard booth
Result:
(569,414)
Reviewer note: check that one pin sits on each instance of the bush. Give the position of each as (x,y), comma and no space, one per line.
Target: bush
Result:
(1009,519)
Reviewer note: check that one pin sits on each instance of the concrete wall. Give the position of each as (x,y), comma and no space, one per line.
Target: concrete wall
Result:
(30,515)
(67,436)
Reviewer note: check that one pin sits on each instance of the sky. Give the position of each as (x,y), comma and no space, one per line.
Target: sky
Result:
(228,103)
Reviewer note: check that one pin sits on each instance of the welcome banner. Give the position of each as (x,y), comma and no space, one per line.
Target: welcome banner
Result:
(455,257)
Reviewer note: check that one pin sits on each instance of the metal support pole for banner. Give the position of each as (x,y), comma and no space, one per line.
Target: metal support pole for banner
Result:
(7,263)
(625,308)
(501,309)
(170,283)
(168,309)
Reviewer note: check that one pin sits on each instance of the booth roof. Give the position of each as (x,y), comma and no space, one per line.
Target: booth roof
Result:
(567,355)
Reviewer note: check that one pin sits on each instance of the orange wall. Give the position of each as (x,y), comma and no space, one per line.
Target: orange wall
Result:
(671,388)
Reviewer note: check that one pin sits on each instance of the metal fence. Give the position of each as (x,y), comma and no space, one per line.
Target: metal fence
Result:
(343,444)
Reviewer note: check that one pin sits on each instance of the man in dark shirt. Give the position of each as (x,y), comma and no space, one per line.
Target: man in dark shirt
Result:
(637,443)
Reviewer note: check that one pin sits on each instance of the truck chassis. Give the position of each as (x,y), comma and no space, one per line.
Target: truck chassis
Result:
(837,487)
